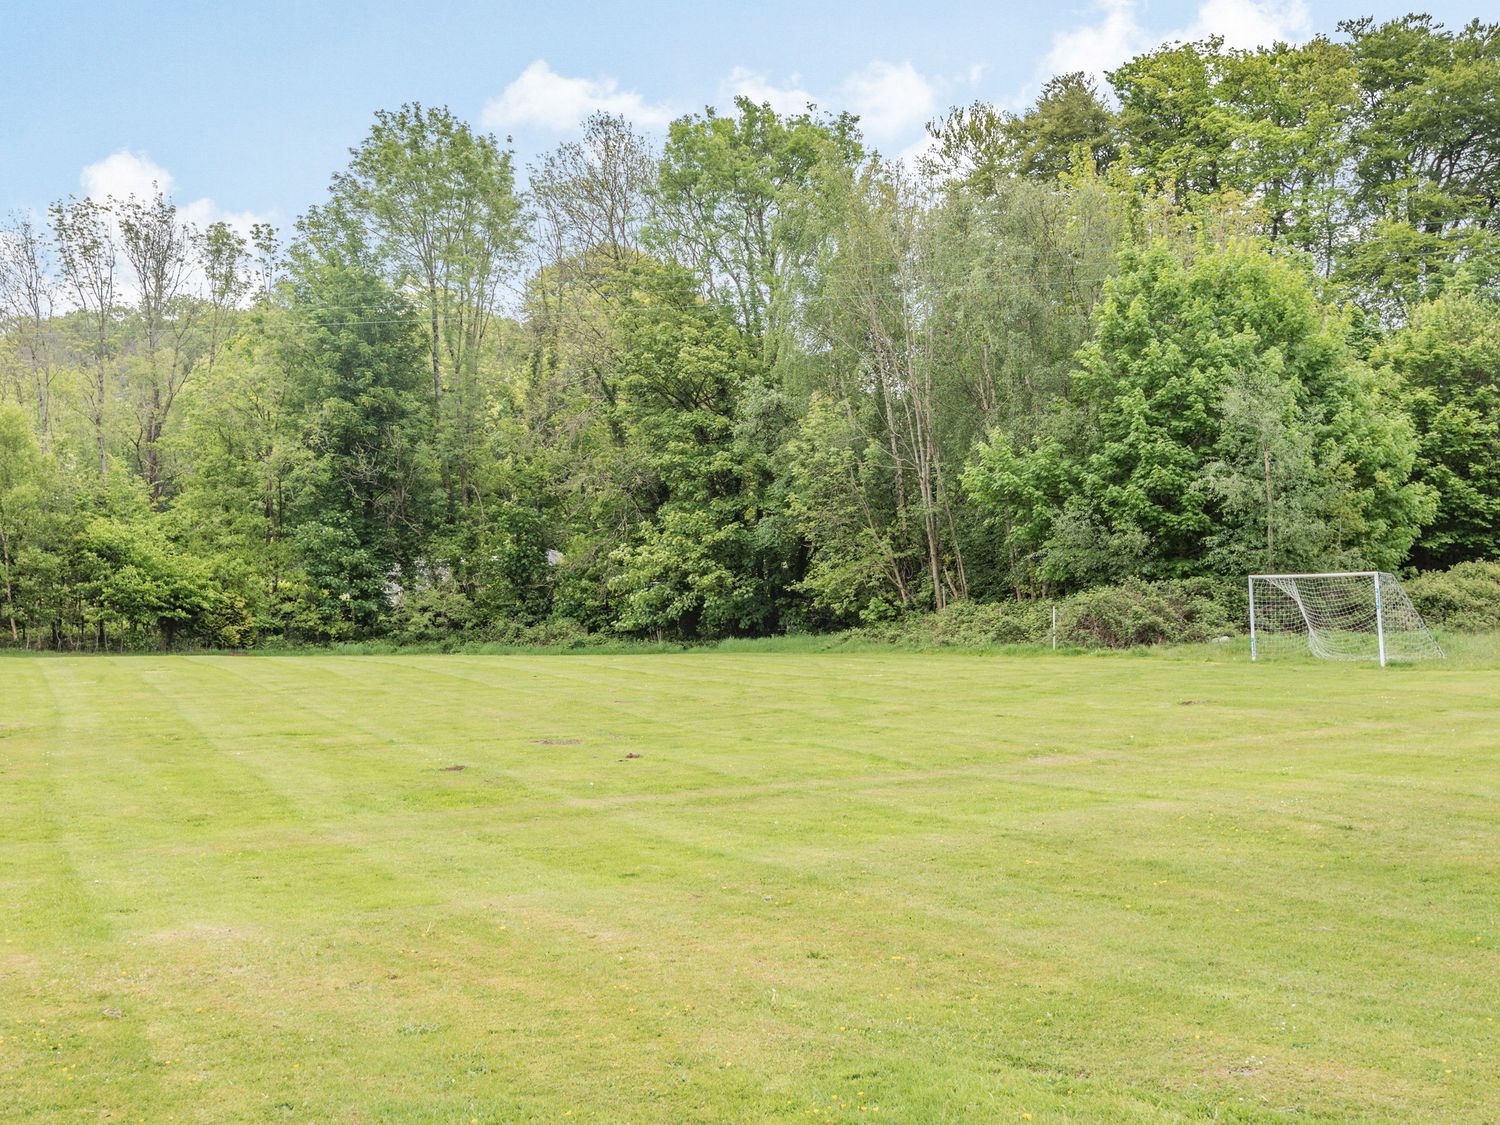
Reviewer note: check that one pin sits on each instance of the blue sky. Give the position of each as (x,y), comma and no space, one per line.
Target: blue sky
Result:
(245,110)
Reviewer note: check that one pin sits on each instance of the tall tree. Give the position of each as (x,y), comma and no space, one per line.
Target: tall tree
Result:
(84,230)
(1206,384)
(594,203)
(26,534)
(1287,110)
(706,563)
(869,310)
(27,296)
(158,246)
(728,188)
(1426,140)
(432,205)
(223,255)
(363,501)
(1068,126)
(594,195)
(1448,360)
(1173,118)
(240,454)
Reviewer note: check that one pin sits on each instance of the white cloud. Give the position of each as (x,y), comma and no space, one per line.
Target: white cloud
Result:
(132,175)
(123,175)
(891,99)
(1250,23)
(1117,34)
(745,83)
(202,212)
(126,175)
(1095,47)
(541,98)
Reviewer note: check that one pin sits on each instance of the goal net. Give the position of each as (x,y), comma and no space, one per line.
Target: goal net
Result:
(1364,615)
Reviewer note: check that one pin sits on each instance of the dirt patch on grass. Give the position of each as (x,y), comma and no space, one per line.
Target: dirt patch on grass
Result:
(452,769)
(203,933)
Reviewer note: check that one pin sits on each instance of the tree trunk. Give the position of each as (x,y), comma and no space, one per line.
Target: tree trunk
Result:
(98,419)
(1265,453)
(10,603)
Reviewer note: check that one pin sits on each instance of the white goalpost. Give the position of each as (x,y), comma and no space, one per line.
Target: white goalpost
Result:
(1352,615)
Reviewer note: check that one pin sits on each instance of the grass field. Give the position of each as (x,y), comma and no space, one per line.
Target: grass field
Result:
(745,886)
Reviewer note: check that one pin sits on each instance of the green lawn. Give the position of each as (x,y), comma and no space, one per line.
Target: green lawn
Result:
(745,886)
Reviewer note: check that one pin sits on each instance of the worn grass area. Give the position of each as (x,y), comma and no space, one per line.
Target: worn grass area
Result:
(745,886)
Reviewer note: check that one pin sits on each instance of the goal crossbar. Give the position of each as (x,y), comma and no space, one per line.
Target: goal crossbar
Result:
(1323,574)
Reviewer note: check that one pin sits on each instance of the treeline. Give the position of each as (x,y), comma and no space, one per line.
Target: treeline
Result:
(1242,314)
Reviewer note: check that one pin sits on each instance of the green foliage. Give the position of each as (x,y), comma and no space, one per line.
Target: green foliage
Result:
(430,206)
(1144,613)
(1271,124)
(1123,615)
(1068,128)
(29,524)
(705,565)
(725,188)
(1465,597)
(1448,362)
(762,381)
(857,568)
(356,387)
(1426,137)
(1218,418)
(128,582)
(1173,118)
(1020,494)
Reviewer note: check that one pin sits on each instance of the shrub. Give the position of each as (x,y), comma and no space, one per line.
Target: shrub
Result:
(227,621)
(1133,612)
(969,624)
(1465,598)
(1143,613)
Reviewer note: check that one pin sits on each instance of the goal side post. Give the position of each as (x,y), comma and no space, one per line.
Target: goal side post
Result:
(1251,583)
(1379,621)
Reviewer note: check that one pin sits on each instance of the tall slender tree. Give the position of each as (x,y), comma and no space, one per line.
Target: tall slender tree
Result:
(432,205)
(27,303)
(86,248)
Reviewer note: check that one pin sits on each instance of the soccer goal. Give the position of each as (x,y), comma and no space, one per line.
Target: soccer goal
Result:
(1359,615)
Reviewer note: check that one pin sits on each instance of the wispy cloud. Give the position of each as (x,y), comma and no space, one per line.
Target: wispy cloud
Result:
(787,97)
(892,99)
(540,98)
(132,175)
(1250,23)
(1115,32)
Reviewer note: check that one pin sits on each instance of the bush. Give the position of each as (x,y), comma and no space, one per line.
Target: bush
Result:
(227,621)
(434,612)
(1465,598)
(1131,613)
(1143,613)
(551,632)
(969,624)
